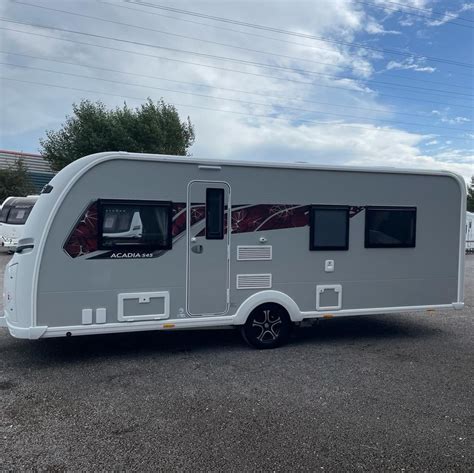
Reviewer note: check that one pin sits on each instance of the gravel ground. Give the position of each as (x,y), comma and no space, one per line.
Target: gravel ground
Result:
(379,393)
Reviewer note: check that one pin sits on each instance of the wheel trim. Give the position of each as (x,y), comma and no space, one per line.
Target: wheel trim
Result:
(269,328)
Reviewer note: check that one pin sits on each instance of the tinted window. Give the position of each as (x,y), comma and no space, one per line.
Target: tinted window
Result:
(214,214)
(390,227)
(140,224)
(329,228)
(18,215)
(4,213)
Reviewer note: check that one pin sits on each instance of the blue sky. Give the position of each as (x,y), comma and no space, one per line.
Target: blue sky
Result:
(302,81)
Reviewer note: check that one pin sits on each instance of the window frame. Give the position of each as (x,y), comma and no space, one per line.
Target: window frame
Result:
(312,246)
(134,247)
(369,245)
(221,234)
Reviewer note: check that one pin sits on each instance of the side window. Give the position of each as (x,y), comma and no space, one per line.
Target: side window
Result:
(390,227)
(214,214)
(329,228)
(134,224)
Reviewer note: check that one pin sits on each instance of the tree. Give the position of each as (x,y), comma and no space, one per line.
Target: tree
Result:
(14,181)
(150,128)
(470,196)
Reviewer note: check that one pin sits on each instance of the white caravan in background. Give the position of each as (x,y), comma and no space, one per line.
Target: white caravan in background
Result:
(121,223)
(14,213)
(122,242)
(469,232)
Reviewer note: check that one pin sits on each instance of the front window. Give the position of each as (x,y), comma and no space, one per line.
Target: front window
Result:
(18,215)
(4,213)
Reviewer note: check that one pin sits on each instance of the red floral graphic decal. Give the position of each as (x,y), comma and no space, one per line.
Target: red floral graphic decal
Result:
(353,211)
(179,219)
(261,217)
(83,239)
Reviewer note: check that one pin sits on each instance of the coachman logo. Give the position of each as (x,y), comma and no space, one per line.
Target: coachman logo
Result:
(131,255)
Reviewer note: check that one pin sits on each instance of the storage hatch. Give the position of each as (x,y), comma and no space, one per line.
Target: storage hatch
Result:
(143,306)
(329,297)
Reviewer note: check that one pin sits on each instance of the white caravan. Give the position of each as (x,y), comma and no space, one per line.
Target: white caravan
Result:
(469,232)
(13,215)
(121,242)
(122,224)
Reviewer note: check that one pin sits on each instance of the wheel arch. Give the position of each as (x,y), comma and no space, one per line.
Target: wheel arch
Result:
(275,297)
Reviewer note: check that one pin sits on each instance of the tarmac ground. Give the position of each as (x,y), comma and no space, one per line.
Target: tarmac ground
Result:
(372,393)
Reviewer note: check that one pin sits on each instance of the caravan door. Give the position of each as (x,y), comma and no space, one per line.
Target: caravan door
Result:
(208,250)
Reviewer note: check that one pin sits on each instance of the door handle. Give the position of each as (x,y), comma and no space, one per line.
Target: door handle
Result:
(197,249)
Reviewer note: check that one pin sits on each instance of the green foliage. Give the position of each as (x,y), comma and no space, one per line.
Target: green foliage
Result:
(470,196)
(14,181)
(150,128)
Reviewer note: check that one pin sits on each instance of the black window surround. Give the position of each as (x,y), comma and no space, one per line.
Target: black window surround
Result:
(141,244)
(214,214)
(313,245)
(370,239)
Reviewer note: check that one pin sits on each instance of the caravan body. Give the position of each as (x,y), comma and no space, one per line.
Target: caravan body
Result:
(13,216)
(124,242)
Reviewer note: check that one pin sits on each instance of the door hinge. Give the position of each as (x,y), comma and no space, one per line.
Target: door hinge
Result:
(228,296)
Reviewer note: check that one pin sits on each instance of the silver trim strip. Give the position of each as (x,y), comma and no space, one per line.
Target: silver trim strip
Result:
(378,310)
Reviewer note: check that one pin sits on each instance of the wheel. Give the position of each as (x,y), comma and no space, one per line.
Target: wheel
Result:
(267,326)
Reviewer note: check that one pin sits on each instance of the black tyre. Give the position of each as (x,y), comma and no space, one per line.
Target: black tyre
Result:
(267,326)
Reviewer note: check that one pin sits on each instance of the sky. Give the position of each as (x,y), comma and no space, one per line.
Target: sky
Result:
(371,83)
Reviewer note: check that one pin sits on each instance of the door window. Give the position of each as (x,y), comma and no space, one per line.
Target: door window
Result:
(214,214)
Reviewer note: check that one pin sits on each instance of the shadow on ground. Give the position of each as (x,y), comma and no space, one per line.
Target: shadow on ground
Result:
(138,344)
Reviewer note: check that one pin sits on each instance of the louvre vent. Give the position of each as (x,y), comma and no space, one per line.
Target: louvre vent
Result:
(254,253)
(254,281)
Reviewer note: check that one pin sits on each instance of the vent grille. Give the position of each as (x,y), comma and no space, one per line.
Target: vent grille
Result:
(254,281)
(254,253)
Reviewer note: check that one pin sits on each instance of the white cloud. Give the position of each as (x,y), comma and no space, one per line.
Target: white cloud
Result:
(445,118)
(404,3)
(402,8)
(456,120)
(373,27)
(357,144)
(249,133)
(451,15)
(410,64)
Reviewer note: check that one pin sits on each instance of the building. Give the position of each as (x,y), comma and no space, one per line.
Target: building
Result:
(39,170)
